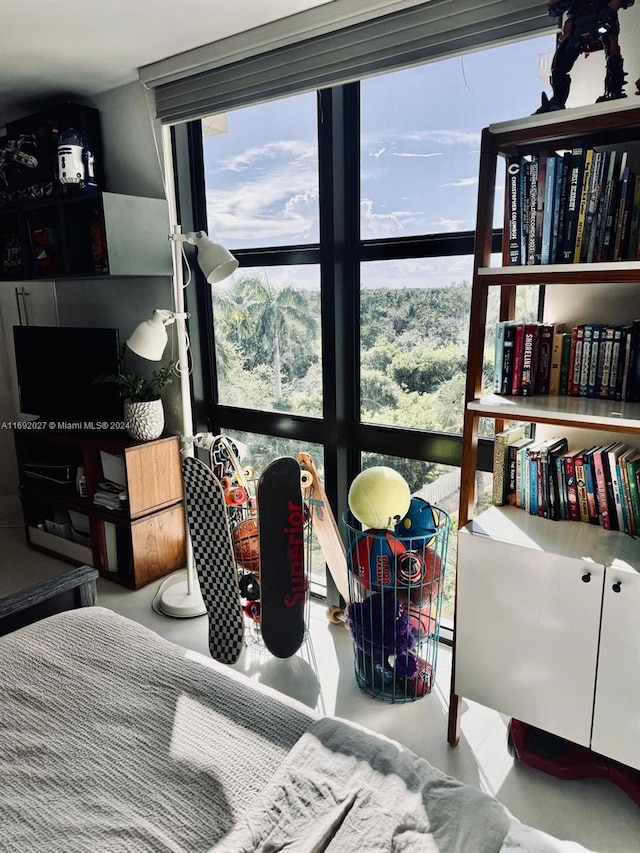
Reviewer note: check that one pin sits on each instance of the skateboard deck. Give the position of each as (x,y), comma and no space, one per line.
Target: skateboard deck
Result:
(283,582)
(325,527)
(213,557)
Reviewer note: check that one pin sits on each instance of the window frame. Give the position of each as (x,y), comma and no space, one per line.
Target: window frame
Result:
(340,252)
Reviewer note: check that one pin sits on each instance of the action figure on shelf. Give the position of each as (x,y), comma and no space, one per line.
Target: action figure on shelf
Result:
(590,25)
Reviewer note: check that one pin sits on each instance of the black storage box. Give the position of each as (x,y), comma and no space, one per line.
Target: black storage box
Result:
(30,152)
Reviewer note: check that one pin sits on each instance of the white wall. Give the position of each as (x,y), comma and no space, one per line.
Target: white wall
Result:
(587,75)
(132,167)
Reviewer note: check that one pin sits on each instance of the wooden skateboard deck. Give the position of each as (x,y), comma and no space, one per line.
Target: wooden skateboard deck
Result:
(325,527)
(283,582)
(213,557)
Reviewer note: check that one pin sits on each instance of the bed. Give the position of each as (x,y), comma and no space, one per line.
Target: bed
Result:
(113,739)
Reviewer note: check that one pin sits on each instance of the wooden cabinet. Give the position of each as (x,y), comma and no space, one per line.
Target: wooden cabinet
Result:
(98,234)
(546,622)
(139,541)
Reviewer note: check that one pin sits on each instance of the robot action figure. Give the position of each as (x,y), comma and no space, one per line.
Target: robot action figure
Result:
(590,25)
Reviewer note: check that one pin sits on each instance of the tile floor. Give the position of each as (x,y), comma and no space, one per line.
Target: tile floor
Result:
(592,812)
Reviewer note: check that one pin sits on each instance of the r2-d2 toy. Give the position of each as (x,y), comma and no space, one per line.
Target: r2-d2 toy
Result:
(76,164)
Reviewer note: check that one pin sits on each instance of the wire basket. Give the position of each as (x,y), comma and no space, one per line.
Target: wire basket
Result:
(396,584)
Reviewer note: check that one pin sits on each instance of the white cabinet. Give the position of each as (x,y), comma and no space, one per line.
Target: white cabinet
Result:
(542,633)
(616,719)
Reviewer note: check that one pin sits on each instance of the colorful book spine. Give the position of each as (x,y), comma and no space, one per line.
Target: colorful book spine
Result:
(513,209)
(518,348)
(583,204)
(529,359)
(601,488)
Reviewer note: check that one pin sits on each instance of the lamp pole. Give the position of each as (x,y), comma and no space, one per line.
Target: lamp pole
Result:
(181,599)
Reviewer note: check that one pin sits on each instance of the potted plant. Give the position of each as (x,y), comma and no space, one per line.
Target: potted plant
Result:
(143,410)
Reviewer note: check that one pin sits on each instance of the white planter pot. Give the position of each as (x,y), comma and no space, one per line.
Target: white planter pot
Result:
(145,421)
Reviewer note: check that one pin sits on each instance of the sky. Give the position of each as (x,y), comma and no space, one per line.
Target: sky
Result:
(420,140)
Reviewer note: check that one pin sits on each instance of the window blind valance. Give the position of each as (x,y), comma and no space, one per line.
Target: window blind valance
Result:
(421,33)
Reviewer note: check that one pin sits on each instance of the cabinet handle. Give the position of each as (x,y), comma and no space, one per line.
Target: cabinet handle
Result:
(586,578)
(617,586)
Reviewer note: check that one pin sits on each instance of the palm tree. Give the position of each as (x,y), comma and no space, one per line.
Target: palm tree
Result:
(268,325)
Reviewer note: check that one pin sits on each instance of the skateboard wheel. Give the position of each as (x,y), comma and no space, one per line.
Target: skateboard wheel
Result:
(306,479)
(249,473)
(335,615)
(236,496)
(226,483)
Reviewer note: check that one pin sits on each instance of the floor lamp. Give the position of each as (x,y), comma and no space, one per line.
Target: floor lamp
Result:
(149,340)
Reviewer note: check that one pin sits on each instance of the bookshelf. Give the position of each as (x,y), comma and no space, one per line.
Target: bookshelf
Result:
(546,611)
(143,538)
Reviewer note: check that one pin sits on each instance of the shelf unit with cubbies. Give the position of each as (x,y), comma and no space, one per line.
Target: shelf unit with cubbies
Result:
(142,540)
(546,611)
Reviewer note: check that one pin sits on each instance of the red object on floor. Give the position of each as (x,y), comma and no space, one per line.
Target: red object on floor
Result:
(567,760)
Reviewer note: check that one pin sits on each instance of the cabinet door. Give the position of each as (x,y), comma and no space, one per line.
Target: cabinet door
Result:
(154,475)
(616,721)
(158,543)
(27,303)
(527,633)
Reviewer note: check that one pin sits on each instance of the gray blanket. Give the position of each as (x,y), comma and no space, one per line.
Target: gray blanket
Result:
(342,790)
(113,739)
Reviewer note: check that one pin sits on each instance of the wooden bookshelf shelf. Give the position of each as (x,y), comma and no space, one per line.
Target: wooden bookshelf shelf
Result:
(582,412)
(621,272)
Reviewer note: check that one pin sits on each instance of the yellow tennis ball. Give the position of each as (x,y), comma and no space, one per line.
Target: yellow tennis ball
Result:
(379,497)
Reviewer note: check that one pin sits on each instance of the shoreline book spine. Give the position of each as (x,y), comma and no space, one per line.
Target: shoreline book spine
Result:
(529,359)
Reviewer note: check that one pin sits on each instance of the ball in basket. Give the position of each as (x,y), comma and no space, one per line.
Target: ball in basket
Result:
(246,544)
(374,557)
(379,497)
(421,521)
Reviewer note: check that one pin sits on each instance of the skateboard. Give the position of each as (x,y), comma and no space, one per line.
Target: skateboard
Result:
(283,581)
(326,530)
(224,459)
(213,557)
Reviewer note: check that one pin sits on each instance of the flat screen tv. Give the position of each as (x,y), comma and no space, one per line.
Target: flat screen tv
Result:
(56,366)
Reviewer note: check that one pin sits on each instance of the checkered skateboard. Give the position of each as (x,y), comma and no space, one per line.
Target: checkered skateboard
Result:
(283,582)
(213,558)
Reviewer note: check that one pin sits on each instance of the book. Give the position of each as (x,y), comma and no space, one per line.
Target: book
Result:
(514,208)
(508,343)
(614,452)
(573,512)
(573,203)
(546,334)
(575,361)
(548,211)
(556,360)
(608,483)
(582,207)
(590,485)
(529,359)
(543,159)
(631,392)
(556,448)
(625,492)
(565,363)
(601,489)
(585,359)
(606,347)
(605,204)
(634,241)
(531,171)
(500,443)
(562,208)
(627,183)
(595,192)
(498,356)
(581,489)
(516,371)
(612,212)
(595,364)
(633,467)
(513,471)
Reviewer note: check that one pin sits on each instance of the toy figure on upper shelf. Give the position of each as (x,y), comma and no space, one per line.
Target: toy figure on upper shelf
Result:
(590,25)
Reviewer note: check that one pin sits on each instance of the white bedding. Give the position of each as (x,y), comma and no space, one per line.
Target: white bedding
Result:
(113,740)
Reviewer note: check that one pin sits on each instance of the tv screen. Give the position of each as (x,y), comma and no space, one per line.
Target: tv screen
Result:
(56,366)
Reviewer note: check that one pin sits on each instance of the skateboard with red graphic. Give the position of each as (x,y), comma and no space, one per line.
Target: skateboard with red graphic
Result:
(208,524)
(326,530)
(283,580)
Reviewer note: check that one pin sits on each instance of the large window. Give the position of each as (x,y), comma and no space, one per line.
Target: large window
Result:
(352,215)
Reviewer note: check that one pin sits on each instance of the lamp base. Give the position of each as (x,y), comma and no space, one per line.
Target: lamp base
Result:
(177,601)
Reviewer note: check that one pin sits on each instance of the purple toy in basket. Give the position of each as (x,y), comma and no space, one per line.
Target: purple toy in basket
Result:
(381,628)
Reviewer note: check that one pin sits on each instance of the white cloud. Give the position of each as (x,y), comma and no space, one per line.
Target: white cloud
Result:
(293,149)
(411,154)
(378,153)
(444,137)
(279,205)
(462,182)
(450,225)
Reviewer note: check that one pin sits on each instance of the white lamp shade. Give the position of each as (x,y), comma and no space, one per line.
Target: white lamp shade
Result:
(149,338)
(216,262)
